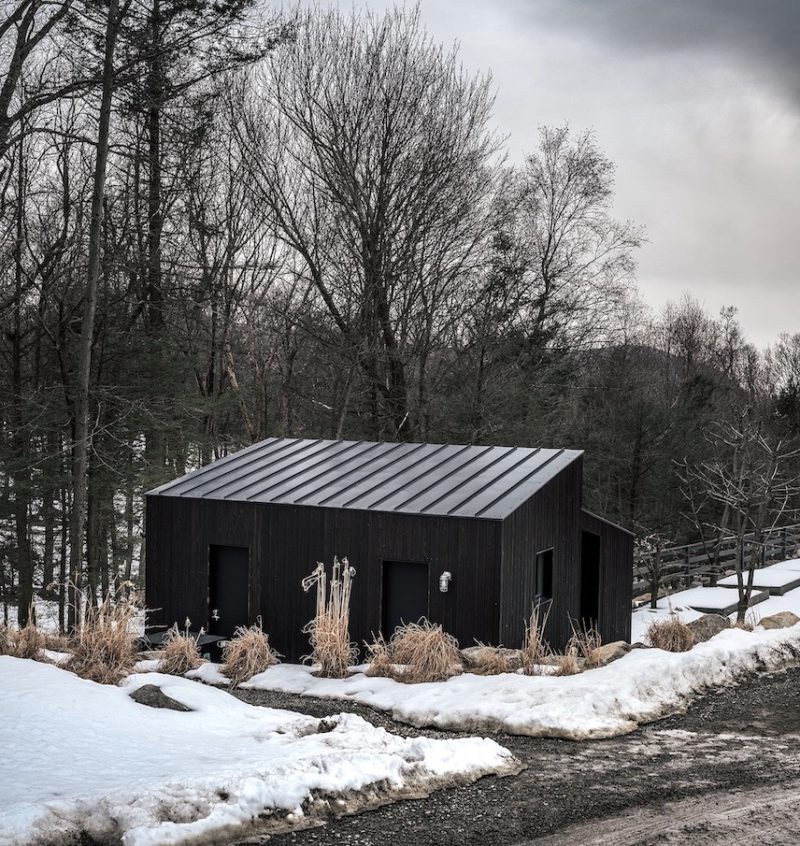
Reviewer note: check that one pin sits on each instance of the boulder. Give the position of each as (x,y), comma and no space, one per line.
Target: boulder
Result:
(608,652)
(154,697)
(482,658)
(705,627)
(781,620)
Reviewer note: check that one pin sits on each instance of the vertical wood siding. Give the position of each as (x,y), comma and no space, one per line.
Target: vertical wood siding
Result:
(492,563)
(551,518)
(616,578)
(286,542)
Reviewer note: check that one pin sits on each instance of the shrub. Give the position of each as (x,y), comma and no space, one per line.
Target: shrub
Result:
(104,650)
(535,649)
(329,631)
(417,652)
(247,654)
(179,652)
(670,634)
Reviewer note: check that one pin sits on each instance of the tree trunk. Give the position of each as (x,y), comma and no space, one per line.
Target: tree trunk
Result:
(62,559)
(20,436)
(155,224)
(84,356)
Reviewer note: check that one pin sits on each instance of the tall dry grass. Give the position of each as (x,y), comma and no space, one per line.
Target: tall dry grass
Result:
(179,652)
(416,652)
(329,631)
(104,649)
(583,641)
(247,654)
(670,634)
(378,658)
(493,662)
(29,642)
(536,652)
(6,642)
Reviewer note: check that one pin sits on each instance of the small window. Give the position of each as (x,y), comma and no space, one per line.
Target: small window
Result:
(543,576)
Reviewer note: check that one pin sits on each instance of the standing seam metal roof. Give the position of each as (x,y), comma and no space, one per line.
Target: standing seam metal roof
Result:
(408,478)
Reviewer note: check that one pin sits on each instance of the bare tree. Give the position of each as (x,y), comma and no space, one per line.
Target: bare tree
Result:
(580,260)
(744,491)
(370,152)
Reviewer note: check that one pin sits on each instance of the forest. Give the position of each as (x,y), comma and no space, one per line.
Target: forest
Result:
(220,223)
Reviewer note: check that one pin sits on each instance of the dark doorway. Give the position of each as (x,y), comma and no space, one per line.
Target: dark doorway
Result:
(590,578)
(405,594)
(228,588)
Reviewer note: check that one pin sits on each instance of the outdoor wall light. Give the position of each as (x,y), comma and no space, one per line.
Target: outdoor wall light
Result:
(444,581)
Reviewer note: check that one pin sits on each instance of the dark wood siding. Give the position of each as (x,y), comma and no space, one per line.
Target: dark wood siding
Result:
(551,518)
(492,562)
(286,542)
(616,577)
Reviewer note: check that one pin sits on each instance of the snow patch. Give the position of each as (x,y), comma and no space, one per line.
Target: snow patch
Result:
(642,686)
(84,757)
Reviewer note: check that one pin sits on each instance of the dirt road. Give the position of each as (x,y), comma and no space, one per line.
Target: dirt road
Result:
(763,816)
(728,768)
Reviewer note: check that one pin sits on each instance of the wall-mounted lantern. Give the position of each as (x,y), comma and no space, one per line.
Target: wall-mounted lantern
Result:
(444,581)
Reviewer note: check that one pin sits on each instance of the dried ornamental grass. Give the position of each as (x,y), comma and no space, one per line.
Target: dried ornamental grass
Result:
(425,651)
(535,649)
(247,654)
(104,650)
(29,642)
(6,640)
(567,664)
(583,641)
(179,652)
(670,634)
(380,663)
(329,631)
(494,661)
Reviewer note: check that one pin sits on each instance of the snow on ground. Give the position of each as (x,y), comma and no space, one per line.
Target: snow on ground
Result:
(767,577)
(678,603)
(644,685)
(711,600)
(79,756)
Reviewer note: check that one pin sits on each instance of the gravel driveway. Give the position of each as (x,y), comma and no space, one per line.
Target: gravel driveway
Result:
(735,750)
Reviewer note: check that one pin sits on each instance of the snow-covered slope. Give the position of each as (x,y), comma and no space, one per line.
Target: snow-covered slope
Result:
(82,756)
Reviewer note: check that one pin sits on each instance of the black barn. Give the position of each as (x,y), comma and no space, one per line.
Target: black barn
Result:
(468,536)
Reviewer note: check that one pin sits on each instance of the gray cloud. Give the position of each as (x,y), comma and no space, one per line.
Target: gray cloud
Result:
(763,32)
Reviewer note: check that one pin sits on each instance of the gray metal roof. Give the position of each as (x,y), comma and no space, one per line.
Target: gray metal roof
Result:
(443,479)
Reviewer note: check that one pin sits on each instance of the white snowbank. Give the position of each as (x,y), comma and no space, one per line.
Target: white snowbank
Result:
(644,685)
(82,756)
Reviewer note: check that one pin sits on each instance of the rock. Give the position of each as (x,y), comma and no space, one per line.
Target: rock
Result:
(608,652)
(705,627)
(154,697)
(781,620)
(481,658)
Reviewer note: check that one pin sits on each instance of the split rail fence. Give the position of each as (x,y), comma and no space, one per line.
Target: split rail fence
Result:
(698,563)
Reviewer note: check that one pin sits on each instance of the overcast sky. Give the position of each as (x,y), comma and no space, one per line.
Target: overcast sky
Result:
(697,102)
